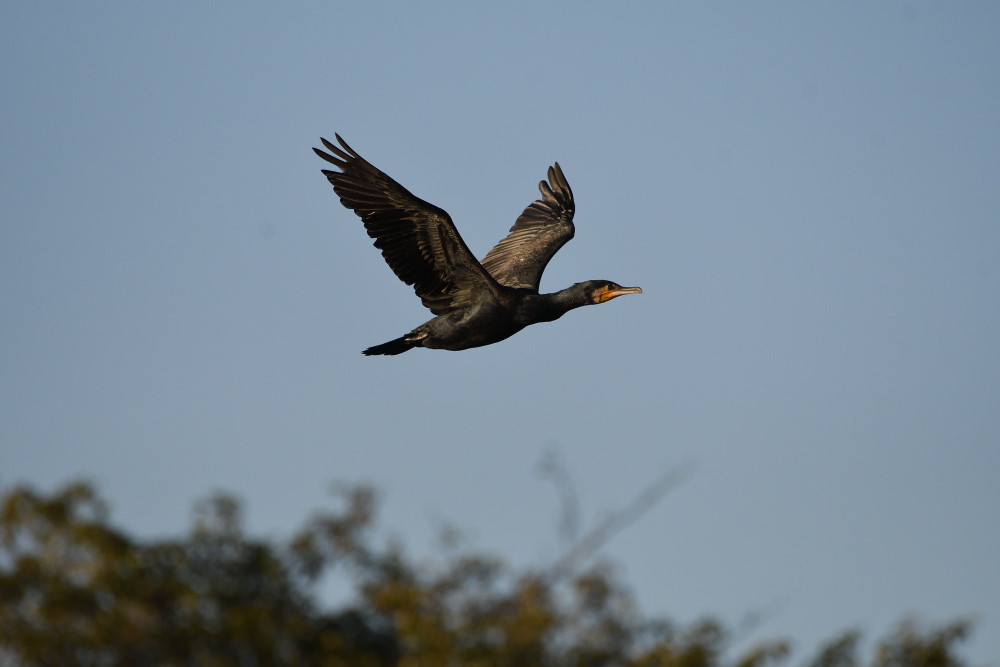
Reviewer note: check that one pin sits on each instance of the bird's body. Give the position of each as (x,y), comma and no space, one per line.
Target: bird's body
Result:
(474,303)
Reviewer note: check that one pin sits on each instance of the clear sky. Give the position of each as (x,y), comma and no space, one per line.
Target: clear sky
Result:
(808,194)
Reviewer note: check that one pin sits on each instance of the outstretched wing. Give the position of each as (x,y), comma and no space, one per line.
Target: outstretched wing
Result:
(418,240)
(544,227)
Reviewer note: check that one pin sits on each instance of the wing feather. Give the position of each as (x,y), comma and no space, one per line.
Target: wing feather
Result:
(418,240)
(545,226)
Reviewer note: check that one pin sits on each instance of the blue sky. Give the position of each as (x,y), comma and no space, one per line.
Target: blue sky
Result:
(807,194)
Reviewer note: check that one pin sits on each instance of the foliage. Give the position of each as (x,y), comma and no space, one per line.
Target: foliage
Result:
(74,590)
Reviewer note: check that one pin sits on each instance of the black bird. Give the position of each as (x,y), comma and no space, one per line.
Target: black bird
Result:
(474,303)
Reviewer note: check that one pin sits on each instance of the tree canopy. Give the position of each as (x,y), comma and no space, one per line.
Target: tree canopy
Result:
(76,590)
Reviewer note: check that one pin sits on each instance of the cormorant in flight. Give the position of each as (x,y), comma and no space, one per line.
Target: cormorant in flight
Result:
(473,303)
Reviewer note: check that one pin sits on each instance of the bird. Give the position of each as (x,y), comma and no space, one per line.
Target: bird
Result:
(474,303)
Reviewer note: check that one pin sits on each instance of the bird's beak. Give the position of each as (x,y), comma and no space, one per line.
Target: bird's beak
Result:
(609,294)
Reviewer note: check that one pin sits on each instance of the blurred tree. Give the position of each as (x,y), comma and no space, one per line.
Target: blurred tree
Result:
(76,591)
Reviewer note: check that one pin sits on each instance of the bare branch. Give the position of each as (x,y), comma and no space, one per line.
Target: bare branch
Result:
(593,541)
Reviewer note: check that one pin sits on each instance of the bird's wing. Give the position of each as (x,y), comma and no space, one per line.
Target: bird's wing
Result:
(544,227)
(418,240)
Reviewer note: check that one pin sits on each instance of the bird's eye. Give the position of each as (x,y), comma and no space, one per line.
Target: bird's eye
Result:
(610,287)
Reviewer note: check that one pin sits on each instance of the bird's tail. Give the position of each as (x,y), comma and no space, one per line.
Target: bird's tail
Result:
(398,346)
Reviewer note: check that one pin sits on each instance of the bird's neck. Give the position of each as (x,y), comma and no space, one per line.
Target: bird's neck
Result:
(552,306)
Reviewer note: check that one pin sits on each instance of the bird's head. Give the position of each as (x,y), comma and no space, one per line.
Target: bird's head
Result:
(600,291)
